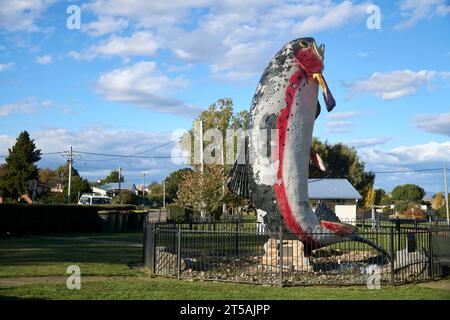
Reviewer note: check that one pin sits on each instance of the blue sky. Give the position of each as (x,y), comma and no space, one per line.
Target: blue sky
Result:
(136,71)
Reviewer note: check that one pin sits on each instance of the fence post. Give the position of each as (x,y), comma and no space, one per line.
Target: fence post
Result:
(430,253)
(179,253)
(149,246)
(280,251)
(236,239)
(391,248)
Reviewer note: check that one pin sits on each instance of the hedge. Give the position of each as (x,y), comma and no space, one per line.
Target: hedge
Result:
(18,219)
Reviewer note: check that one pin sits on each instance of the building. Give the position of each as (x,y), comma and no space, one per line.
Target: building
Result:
(112,189)
(338,194)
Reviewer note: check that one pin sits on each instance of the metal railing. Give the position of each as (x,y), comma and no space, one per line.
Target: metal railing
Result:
(247,252)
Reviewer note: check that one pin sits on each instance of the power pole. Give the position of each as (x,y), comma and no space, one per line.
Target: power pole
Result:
(224,205)
(143,191)
(446,192)
(164,193)
(70,174)
(120,185)
(202,212)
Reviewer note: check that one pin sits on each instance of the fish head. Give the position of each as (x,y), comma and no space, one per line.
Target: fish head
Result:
(310,57)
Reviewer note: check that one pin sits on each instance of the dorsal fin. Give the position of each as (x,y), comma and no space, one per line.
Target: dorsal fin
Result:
(237,181)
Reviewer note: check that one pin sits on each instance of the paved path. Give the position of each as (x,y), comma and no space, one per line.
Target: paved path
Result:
(17,281)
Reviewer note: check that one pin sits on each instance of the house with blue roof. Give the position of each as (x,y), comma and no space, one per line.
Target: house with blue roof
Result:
(112,189)
(338,194)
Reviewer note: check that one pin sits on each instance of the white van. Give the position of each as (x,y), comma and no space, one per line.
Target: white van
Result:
(90,199)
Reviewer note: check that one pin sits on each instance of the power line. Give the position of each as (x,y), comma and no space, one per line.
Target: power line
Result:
(42,154)
(127,156)
(405,171)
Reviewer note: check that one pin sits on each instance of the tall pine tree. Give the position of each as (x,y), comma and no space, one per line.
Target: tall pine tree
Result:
(20,167)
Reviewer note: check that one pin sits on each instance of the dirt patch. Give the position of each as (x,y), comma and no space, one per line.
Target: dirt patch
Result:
(12,282)
(441,284)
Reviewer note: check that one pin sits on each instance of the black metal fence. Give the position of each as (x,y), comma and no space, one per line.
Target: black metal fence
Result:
(242,251)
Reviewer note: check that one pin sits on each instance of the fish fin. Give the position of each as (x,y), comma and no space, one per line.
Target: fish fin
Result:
(318,109)
(317,160)
(237,181)
(339,227)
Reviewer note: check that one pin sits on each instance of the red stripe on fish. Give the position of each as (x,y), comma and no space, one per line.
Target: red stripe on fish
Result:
(280,190)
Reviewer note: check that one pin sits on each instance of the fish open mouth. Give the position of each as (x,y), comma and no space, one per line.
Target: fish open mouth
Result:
(327,96)
(320,51)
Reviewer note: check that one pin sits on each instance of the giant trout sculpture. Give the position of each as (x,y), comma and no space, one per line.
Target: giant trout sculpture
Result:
(272,169)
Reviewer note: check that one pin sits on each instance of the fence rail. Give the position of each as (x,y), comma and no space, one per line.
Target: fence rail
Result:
(243,251)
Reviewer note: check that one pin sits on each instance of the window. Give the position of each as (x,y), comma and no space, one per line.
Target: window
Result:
(84,200)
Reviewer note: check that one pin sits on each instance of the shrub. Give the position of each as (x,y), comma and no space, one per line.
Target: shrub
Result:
(17,219)
(176,213)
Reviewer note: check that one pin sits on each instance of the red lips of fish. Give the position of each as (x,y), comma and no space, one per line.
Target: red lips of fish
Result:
(309,60)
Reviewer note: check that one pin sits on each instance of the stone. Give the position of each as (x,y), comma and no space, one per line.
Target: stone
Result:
(293,256)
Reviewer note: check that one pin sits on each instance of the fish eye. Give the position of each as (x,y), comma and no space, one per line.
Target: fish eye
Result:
(304,44)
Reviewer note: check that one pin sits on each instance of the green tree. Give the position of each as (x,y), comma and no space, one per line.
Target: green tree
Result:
(78,184)
(370,198)
(113,177)
(438,201)
(381,197)
(173,182)
(342,161)
(219,115)
(156,191)
(48,176)
(202,191)
(408,192)
(20,167)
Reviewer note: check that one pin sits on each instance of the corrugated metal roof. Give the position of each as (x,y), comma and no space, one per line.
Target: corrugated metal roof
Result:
(332,189)
(115,186)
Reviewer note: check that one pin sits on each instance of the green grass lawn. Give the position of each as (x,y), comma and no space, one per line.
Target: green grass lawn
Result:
(35,267)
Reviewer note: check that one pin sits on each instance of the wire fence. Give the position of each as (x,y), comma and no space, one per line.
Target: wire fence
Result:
(392,252)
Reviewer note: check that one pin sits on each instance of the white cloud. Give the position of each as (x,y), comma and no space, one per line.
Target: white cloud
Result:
(364,143)
(396,84)
(6,66)
(146,13)
(338,126)
(439,123)
(99,140)
(334,16)
(141,43)
(22,15)
(428,153)
(343,115)
(417,10)
(27,105)
(235,39)
(104,25)
(45,59)
(143,85)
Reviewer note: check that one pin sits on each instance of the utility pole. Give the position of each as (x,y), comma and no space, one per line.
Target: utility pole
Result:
(143,191)
(446,192)
(202,212)
(201,146)
(164,194)
(120,185)
(70,174)
(224,205)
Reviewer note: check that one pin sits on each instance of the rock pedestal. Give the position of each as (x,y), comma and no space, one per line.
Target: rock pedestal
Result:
(293,256)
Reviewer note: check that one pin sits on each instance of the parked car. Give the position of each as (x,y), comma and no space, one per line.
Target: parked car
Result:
(92,199)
